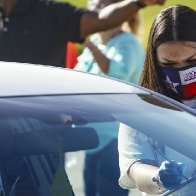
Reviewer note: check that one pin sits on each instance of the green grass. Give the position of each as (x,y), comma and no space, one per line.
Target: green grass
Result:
(79,3)
(148,14)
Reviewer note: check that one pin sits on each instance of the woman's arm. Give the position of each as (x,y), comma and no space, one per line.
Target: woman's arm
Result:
(137,164)
(143,174)
(133,149)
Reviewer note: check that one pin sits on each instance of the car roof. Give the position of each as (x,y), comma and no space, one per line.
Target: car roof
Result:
(21,79)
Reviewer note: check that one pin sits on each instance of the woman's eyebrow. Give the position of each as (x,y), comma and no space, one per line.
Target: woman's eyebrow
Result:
(170,61)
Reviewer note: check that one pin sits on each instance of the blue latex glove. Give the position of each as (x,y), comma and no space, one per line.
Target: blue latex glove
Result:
(171,174)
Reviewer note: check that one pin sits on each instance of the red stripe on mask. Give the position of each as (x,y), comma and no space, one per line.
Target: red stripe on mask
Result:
(189,90)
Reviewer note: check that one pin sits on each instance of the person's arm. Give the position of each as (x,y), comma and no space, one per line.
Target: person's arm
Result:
(133,148)
(98,56)
(111,16)
(137,164)
(156,180)
(143,174)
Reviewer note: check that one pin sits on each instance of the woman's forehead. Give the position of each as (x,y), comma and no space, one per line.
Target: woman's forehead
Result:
(176,50)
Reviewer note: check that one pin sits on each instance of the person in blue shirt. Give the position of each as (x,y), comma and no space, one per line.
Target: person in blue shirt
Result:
(114,52)
(119,54)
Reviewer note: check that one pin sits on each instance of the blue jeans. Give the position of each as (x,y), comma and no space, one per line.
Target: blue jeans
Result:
(101,172)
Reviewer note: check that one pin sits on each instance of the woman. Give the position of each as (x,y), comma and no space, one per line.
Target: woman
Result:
(170,69)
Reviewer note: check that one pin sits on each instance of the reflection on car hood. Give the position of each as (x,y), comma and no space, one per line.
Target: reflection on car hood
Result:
(18,79)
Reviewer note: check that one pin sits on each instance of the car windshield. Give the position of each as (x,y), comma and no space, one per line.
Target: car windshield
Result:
(32,129)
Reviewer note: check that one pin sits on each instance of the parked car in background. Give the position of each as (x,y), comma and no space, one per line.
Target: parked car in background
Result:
(46,112)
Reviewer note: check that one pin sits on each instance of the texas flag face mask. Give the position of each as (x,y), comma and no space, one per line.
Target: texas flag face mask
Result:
(181,82)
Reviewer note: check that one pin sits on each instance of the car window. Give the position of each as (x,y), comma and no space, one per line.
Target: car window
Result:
(187,189)
(32,129)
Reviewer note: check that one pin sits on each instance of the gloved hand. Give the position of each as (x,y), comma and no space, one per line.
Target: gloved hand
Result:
(171,174)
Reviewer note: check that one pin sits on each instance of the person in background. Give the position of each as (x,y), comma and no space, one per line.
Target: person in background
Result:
(114,52)
(37,31)
(169,69)
(118,54)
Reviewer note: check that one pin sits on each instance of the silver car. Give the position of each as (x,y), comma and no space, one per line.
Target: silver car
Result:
(52,118)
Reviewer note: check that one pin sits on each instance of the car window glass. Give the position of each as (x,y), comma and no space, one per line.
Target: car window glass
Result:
(187,189)
(38,118)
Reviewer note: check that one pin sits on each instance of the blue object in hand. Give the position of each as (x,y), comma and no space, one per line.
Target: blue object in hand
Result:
(171,174)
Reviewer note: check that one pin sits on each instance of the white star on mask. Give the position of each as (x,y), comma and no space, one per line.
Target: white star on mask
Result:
(171,84)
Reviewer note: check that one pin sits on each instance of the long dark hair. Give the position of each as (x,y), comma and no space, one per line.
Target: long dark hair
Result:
(176,23)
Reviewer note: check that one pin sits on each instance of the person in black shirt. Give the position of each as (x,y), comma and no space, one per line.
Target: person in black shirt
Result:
(36,31)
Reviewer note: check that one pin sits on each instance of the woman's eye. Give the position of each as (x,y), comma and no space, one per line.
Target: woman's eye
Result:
(192,61)
(167,64)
